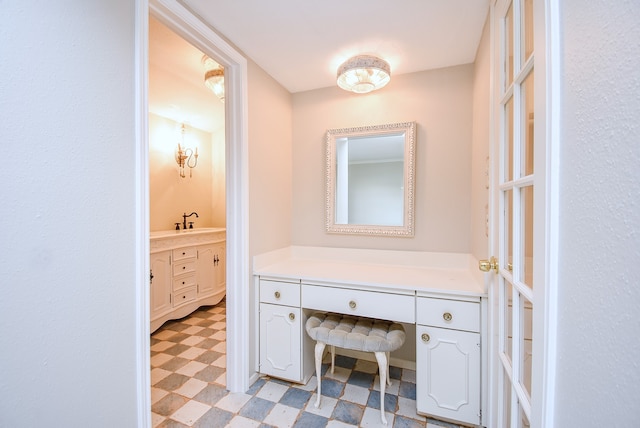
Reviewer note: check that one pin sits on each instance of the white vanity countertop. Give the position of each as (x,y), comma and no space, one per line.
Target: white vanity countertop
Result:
(396,271)
(186,232)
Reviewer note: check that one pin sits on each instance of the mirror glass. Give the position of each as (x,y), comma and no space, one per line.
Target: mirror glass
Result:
(370,180)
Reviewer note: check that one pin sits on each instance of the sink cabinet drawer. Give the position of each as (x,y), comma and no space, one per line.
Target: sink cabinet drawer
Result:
(453,314)
(184,282)
(184,296)
(280,293)
(180,268)
(184,253)
(372,304)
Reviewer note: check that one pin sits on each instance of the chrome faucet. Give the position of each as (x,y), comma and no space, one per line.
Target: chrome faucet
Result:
(184,219)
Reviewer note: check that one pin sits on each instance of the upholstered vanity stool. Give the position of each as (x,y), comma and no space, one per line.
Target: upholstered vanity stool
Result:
(359,334)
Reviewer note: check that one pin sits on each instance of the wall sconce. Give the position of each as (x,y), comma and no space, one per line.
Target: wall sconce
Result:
(363,73)
(185,156)
(214,77)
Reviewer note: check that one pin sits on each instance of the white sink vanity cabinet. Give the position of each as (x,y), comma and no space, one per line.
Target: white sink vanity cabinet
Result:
(187,271)
(441,296)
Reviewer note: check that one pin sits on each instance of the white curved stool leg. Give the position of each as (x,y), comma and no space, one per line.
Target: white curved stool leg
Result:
(318,355)
(381,357)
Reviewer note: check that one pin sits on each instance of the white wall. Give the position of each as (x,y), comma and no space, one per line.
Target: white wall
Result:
(598,374)
(440,102)
(68,205)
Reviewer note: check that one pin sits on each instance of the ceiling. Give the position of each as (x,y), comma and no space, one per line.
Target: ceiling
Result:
(301,43)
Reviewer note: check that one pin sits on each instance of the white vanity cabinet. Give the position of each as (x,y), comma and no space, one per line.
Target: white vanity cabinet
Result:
(187,271)
(285,349)
(448,370)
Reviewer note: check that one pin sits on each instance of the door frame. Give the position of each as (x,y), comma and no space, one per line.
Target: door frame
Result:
(192,29)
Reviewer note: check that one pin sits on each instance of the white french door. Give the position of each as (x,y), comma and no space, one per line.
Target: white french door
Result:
(519,291)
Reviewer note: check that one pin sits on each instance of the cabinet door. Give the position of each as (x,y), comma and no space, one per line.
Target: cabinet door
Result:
(160,283)
(206,269)
(280,328)
(448,373)
(221,266)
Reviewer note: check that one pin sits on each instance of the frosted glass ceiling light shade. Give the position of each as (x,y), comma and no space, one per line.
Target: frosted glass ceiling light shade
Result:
(363,73)
(214,77)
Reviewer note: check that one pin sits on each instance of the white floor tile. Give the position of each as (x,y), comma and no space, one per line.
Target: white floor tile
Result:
(272,391)
(409,375)
(355,394)
(156,419)
(191,368)
(327,404)
(338,424)
(192,340)
(233,401)
(220,335)
(220,325)
(221,362)
(311,385)
(158,374)
(220,347)
(162,346)
(371,418)
(340,374)
(222,379)
(159,359)
(190,412)
(393,389)
(407,407)
(191,387)
(282,416)
(192,353)
(194,329)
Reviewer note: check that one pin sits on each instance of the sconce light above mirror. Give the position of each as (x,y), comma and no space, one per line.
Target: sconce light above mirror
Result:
(185,156)
(370,176)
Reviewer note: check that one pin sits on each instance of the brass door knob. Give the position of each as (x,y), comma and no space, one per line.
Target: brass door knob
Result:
(277,294)
(488,265)
(447,316)
(425,337)
(292,316)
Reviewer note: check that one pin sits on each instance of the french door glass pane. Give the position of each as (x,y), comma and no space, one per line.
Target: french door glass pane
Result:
(526,342)
(526,263)
(527,125)
(508,230)
(508,140)
(527,29)
(508,49)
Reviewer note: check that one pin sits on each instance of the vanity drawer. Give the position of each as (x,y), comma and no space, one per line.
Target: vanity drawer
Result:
(372,304)
(280,293)
(185,296)
(180,268)
(453,314)
(184,253)
(184,282)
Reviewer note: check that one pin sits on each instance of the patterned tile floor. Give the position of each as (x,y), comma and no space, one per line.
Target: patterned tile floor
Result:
(188,360)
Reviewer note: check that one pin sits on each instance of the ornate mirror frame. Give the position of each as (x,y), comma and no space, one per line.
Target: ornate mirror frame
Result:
(407,129)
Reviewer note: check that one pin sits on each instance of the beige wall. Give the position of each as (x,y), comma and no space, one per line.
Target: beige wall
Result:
(270,123)
(480,147)
(171,195)
(440,102)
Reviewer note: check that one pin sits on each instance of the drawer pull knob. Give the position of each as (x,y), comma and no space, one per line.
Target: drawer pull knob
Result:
(352,304)
(292,316)
(447,316)
(277,294)
(425,337)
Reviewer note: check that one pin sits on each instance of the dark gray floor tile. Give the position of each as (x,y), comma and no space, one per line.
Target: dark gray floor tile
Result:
(362,379)
(211,394)
(309,420)
(214,418)
(295,397)
(172,382)
(256,408)
(331,388)
(390,401)
(168,404)
(407,390)
(349,413)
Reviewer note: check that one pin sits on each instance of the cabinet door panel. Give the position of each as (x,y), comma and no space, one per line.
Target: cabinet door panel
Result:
(205,271)
(448,373)
(160,295)
(280,335)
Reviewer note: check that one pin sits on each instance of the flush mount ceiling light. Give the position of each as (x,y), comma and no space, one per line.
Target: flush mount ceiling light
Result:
(214,77)
(363,73)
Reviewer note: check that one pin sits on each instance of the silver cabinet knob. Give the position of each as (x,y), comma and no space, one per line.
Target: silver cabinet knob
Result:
(352,304)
